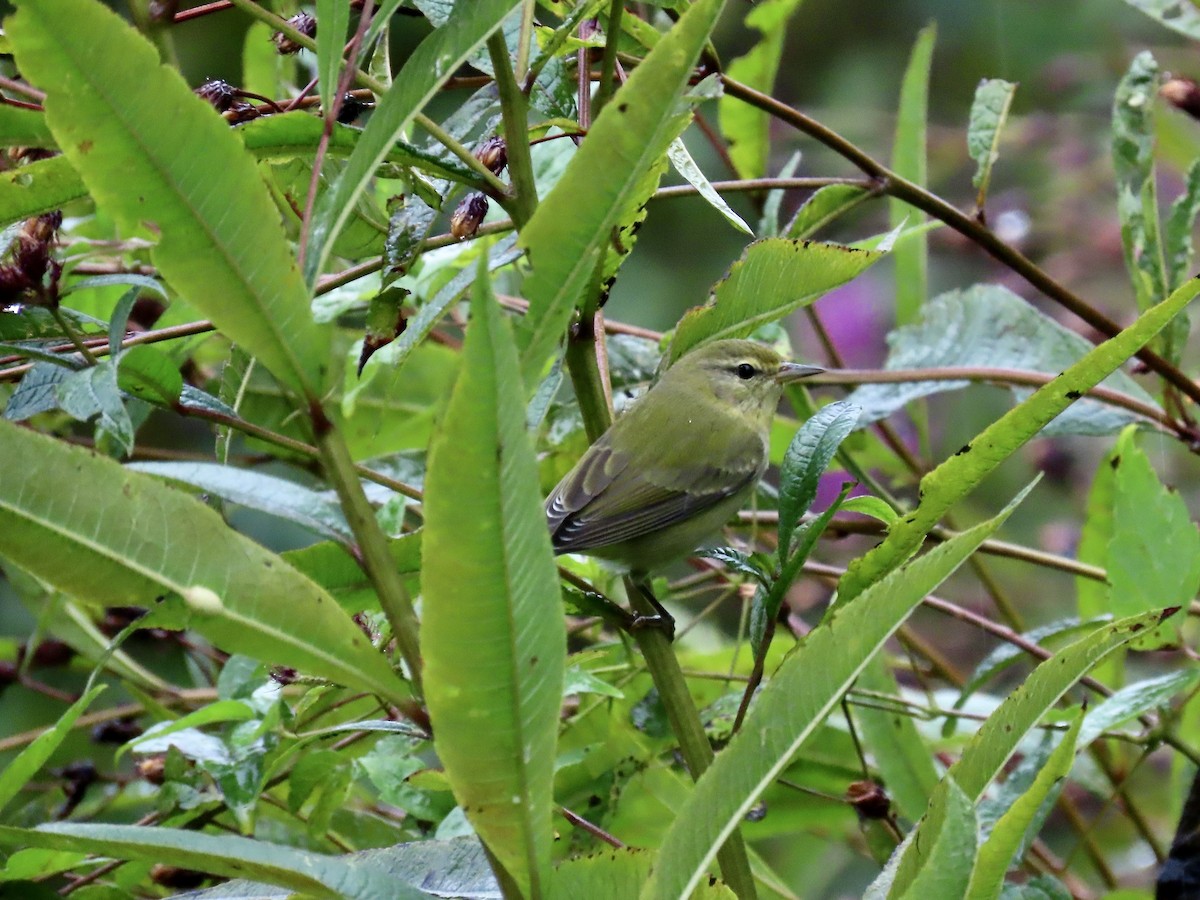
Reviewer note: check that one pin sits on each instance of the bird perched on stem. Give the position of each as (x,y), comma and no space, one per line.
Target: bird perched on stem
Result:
(678,464)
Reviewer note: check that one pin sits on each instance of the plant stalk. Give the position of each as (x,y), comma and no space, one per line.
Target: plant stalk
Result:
(372,544)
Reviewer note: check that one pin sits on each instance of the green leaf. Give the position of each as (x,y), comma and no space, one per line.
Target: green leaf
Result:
(745,127)
(808,456)
(569,233)
(1177,234)
(989,112)
(908,161)
(617,873)
(149,374)
(334,17)
(264,70)
(1133,162)
(94,392)
(873,507)
(419,326)
(434,60)
(823,207)
(270,494)
(66,620)
(330,565)
(228,855)
(792,706)
(15,775)
(490,584)
(445,868)
(1007,836)
(989,326)
(957,476)
(1177,15)
(1006,655)
(20,127)
(37,392)
(901,754)
(154,738)
(1178,247)
(221,243)
(38,188)
(686,166)
(1154,552)
(1047,887)
(1134,700)
(287,136)
(953,844)
(1094,538)
(132,539)
(773,278)
(998,737)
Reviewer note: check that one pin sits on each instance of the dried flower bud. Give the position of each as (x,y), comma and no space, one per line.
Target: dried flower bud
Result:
(118,617)
(48,654)
(241,111)
(153,768)
(30,154)
(1183,94)
(77,778)
(466,219)
(493,153)
(869,800)
(118,731)
(174,877)
(303,23)
(221,94)
(352,107)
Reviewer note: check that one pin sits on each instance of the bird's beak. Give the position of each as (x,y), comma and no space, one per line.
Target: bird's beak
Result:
(793,371)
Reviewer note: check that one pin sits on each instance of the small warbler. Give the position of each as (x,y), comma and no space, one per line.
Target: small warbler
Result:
(678,464)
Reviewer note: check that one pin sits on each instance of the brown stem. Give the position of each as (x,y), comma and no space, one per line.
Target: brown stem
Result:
(895,186)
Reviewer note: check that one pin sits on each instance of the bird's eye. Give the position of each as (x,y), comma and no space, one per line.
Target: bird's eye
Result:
(745,371)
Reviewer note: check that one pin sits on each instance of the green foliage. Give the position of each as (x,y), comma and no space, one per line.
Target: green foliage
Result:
(487,569)
(989,112)
(300,594)
(990,325)
(908,161)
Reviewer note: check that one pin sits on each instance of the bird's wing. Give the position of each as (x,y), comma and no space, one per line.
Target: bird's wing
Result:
(611,498)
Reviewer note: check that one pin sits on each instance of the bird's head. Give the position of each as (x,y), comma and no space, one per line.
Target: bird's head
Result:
(744,376)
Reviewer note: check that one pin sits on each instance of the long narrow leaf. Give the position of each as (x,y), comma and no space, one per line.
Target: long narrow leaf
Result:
(908,161)
(17,773)
(989,112)
(998,737)
(774,277)
(430,65)
(493,636)
(186,173)
(957,476)
(229,855)
(131,539)
(793,705)
(568,234)
(997,852)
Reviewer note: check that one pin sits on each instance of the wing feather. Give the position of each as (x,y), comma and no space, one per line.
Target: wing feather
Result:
(611,497)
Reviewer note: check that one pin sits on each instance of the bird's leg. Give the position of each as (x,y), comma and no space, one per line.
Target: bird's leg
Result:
(661,619)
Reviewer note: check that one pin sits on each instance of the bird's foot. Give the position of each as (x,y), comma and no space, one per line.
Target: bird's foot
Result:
(662,621)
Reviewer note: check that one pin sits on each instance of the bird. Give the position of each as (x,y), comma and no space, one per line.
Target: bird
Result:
(677,465)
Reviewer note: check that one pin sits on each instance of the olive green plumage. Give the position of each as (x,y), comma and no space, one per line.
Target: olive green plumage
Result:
(678,464)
